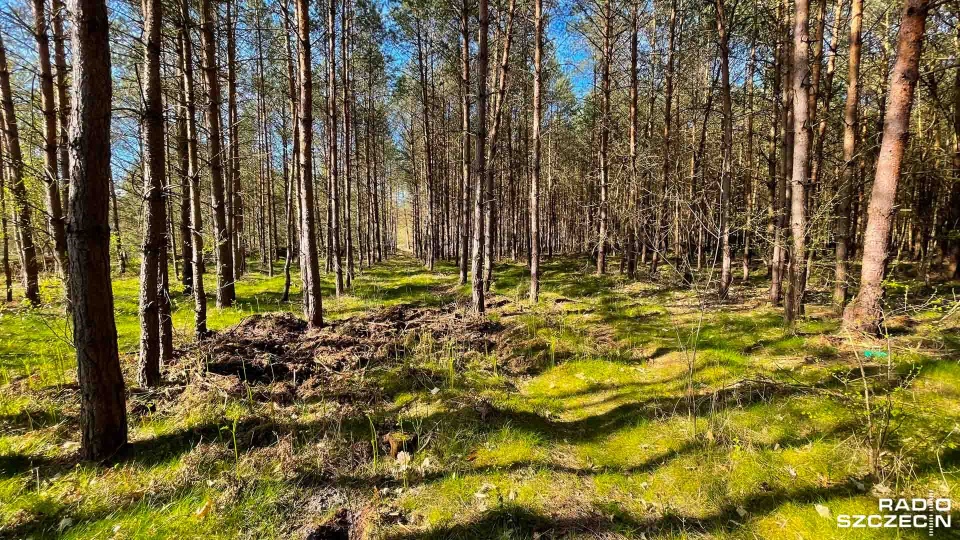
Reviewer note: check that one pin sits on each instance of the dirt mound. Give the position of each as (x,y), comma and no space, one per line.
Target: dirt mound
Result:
(281,359)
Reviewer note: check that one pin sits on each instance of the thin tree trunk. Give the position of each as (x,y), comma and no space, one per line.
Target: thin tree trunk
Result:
(535,176)
(7,274)
(58,13)
(193,171)
(480,202)
(726,168)
(464,138)
(222,236)
(234,188)
(154,219)
(865,311)
(346,20)
(605,90)
(849,178)
(103,412)
(801,162)
(50,155)
(312,300)
(21,203)
(332,146)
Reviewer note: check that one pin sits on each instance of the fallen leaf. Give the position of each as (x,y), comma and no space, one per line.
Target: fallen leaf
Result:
(204,509)
(823,511)
(742,511)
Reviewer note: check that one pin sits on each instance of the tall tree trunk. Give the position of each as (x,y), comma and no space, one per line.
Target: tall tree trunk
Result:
(865,311)
(793,305)
(154,219)
(193,171)
(464,138)
(428,157)
(749,173)
(234,188)
(58,13)
(222,236)
(21,203)
(312,301)
(346,20)
(480,167)
(953,216)
(606,61)
(103,411)
(332,146)
(7,273)
(492,131)
(726,168)
(849,178)
(183,157)
(50,155)
(535,173)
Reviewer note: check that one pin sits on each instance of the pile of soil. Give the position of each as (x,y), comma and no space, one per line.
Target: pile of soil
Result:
(280,358)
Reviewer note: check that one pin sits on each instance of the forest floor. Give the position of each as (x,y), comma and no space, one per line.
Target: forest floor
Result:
(409,418)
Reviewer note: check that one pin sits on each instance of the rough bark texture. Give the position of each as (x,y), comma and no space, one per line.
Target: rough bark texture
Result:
(480,167)
(312,301)
(865,310)
(22,210)
(535,171)
(57,15)
(103,413)
(193,153)
(50,156)
(726,166)
(154,217)
(225,289)
(605,89)
(850,121)
(793,305)
(464,139)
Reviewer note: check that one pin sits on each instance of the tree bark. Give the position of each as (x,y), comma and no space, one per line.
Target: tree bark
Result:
(7,273)
(58,12)
(332,154)
(464,138)
(480,202)
(726,167)
(21,203)
(103,413)
(865,312)
(222,236)
(793,306)
(196,216)
(534,209)
(312,300)
(849,178)
(49,107)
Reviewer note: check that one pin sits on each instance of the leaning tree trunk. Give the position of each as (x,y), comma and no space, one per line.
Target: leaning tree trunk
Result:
(225,288)
(865,312)
(21,203)
(312,301)
(154,218)
(49,107)
(103,412)
(793,305)
(850,121)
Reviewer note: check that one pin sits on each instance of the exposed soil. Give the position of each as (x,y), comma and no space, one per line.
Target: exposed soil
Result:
(280,359)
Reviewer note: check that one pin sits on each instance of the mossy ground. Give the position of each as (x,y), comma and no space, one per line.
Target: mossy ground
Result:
(597,437)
